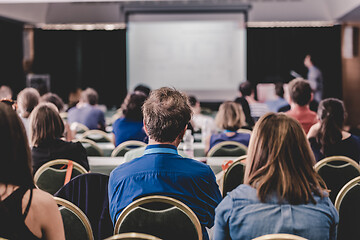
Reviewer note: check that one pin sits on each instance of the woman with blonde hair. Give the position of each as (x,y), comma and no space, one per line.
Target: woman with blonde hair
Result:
(229,118)
(25,212)
(281,193)
(27,100)
(47,129)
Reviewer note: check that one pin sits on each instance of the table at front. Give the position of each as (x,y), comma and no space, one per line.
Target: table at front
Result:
(105,165)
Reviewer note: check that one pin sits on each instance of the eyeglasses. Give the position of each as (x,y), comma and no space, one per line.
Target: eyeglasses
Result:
(9,102)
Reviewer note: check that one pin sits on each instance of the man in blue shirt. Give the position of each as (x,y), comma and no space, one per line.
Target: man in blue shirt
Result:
(161,170)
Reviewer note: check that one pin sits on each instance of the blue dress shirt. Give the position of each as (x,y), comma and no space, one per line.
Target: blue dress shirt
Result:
(241,215)
(161,171)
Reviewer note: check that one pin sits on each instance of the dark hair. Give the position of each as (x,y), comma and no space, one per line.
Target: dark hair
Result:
(142,88)
(300,91)
(53,98)
(27,100)
(45,124)
(331,113)
(90,96)
(246,88)
(279,89)
(192,101)
(133,107)
(166,114)
(14,147)
(281,161)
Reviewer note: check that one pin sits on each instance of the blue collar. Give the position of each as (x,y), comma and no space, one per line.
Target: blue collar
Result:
(228,131)
(161,148)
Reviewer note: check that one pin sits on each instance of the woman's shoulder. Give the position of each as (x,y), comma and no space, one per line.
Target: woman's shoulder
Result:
(244,192)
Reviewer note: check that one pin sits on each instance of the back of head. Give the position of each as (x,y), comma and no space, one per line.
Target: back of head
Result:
(230,116)
(45,124)
(15,152)
(331,113)
(245,88)
(89,96)
(281,161)
(53,98)
(166,114)
(133,107)
(142,88)
(5,92)
(27,100)
(192,101)
(279,89)
(300,91)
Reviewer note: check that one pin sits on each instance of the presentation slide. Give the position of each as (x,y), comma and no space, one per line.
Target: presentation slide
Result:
(200,54)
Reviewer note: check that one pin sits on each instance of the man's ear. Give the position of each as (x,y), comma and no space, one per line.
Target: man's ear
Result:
(311,97)
(182,133)
(145,129)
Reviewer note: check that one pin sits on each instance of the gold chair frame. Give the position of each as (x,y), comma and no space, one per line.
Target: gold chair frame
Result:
(92,143)
(325,161)
(162,199)
(77,211)
(125,144)
(280,236)
(237,161)
(132,235)
(243,130)
(344,190)
(225,143)
(76,125)
(95,132)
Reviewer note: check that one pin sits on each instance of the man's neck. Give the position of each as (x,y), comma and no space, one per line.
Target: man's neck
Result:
(295,107)
(174,143)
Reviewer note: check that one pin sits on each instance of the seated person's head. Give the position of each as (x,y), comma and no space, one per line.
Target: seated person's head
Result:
(53,98)
(27,100)
(166,115)
(15,152)
(89,96)
(230,116)
(194,104)
(280,161)
(45,124)
(142,88)
(279,89)
(246,89)
(132,109)
(5,92)
(300,92)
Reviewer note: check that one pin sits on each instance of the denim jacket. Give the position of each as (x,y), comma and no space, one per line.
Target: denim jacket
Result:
(241,215)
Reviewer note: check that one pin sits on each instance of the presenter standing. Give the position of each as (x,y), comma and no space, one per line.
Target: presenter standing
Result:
(315,78)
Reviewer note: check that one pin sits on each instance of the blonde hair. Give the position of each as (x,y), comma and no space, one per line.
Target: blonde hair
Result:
(45,124)
(230,116)
(27,100)
(281,161)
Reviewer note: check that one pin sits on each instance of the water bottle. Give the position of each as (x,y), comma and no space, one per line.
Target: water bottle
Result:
(188,143)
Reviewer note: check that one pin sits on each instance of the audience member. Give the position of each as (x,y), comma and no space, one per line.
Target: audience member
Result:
(131,126)
(142,88)
(327,137)
(230,118)
(279,102)
(161,170)
(200,120)
(74,98)
(300,97)
(243,92)
(25,211)
(46,130)
(257,109)
(53,98)
(86,111)
(27,100)
(5,92)
(282,192)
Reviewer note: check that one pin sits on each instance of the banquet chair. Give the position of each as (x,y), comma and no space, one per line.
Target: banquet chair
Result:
(160,216)
(347,204)
(76,224)
(52,175)
(336,171)
(92,149)
(96,136)
(78,127)
(228,148)
(124,147)
(234,175)
(279,236)
(132,236)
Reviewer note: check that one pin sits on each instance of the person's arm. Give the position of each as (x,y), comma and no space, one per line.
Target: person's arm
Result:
(313,130)
(222,215)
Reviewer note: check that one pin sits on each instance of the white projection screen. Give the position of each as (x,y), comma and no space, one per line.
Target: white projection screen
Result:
(201,54)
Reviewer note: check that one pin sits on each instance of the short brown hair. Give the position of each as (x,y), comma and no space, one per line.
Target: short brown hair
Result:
(300,91)
(27,100)
(90,96)
(281,161)
(166,113)
(230,116)
(45,124)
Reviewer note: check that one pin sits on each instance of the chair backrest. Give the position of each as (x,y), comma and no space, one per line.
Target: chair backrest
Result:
(132,236)
(92,149)
(76,224)
(96,136)
(280,236)
(243,130)
(234,175)
(336,171)
(51,176)
(160,216)
(347,204)
(78,127)
(89,192)
(228,148)
(124,147)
